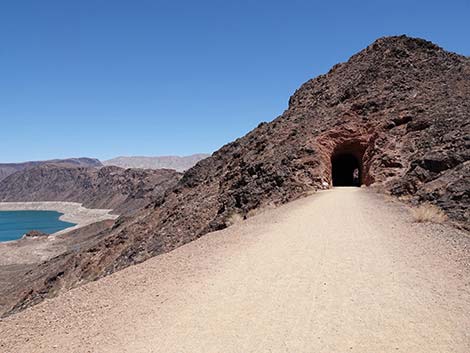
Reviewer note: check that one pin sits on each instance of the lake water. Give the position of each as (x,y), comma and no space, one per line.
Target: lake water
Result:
(13,224)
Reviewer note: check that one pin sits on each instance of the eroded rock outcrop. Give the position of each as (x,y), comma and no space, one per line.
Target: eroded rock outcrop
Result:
(35,234)
(401,107)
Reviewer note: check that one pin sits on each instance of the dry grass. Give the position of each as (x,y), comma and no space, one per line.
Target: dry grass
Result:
(379,188)
(234,218)
(428,213)
(309,193)
(405,198)
(256,211)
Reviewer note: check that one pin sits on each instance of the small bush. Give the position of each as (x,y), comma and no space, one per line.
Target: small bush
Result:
(428,213)
(405,198)
(256,211)
(379,188)
(234,218)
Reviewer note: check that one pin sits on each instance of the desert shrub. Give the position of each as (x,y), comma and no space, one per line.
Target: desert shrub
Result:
(405,198)
(256,211)
(379,188)
(234,218)
(428,213)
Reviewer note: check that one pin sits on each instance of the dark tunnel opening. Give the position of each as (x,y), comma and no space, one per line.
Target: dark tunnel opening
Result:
(345,170)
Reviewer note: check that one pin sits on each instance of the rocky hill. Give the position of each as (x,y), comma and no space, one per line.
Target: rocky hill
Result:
(7,169)
(399,111)
(177,163)
(123,190)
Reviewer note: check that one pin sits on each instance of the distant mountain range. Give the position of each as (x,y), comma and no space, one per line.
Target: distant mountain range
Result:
(124,184)
(177,163)
(109,187)
(7,169)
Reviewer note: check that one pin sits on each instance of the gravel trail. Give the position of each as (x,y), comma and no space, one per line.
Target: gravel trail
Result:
(344,270)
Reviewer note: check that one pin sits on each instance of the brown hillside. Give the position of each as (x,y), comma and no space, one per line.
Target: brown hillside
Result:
(7,169)
(123,190)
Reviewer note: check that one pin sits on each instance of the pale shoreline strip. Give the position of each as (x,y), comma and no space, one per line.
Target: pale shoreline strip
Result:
(72,212)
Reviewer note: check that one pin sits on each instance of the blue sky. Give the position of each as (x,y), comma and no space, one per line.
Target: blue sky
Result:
(105,78)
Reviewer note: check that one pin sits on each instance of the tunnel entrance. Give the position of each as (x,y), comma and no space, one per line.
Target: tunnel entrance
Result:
(345,170)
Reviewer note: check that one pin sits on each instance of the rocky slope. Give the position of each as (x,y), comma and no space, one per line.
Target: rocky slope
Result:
(177,163)
(400,107)
(7,169)
(123,190)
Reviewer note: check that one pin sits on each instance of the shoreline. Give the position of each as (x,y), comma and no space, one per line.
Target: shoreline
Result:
(73,212)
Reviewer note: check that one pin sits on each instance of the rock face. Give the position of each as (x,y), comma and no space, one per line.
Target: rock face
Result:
(7,169)
(400,108)
(34,234)
(177,163)
(123,190)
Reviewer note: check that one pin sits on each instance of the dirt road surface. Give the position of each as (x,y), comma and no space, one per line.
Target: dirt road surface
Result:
(344,270)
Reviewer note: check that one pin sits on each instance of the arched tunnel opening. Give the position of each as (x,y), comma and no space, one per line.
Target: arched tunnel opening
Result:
(347,165)
(345,170)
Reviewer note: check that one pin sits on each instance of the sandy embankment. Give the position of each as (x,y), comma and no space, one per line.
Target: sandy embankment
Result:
(73,212)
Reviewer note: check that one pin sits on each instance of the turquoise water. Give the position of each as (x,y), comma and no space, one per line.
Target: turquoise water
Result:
(13,224)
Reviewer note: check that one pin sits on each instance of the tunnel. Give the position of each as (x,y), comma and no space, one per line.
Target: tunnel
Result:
(345,170)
